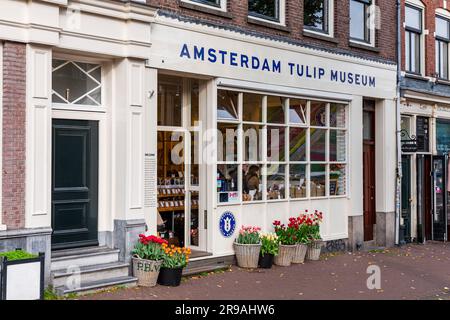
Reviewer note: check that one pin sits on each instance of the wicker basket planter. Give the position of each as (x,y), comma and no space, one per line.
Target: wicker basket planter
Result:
(285,255)
(146,271)
(247,255)
(300,253)
(314,249)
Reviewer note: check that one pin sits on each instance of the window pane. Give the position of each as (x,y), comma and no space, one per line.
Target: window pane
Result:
(227,142)
(357,20)
(264,8)
(194,102)
(337,115)
(227,185)
(316,14)
(227,105)
(318,143)
(275,110)
(337,145)
(408,50)
(195,157)
(413,17)
(76,83)
(318,172)
(171,158)
(252,139)
(169,101)
(368,126)
(297,111)
(215,3)
(337,180)
(318,114)
(276,143)
(251,182)
(276,182)
(442,28)
(252,108)
(297,144)
(416,53)
(297,181)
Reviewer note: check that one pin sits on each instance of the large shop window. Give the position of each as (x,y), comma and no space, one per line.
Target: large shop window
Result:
(442,41)
(359,20)
(443,136)
(413,35)
(265,9)
(278,148)
(316,15)
(76,83)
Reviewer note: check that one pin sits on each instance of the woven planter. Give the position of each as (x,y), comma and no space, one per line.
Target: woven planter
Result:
(314,249)
(300,253)
(146,271)
(285,255)
(247,255)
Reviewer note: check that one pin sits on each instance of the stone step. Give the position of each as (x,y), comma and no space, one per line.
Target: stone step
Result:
(94,286)
(83,257)
(91,273)
(207,264)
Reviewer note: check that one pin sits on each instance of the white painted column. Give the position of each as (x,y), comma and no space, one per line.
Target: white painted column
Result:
(355,154)
(38,137)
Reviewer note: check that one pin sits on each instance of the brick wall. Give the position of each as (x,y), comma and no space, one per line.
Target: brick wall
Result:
(14,91)
(429,24)
(238,13)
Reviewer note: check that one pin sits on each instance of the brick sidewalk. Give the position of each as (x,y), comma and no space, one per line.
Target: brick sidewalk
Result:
(410,272)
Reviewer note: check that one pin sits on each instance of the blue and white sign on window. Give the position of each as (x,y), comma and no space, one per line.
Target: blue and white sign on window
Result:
(227,224)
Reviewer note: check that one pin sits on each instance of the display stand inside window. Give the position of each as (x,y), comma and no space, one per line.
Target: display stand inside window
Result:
(172,194)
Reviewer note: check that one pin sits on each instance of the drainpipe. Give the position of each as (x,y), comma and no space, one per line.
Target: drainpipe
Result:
(398,126)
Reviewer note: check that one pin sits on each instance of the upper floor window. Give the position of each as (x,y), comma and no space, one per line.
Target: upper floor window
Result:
(442,41)
(76,83)
(413,34)
(317,15)
(265,9)
(359,20)
(214,3)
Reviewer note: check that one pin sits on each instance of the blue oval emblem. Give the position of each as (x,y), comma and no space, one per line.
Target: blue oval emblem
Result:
(227,224)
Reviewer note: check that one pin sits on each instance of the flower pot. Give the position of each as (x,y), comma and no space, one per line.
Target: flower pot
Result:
(247,255)
(170,277)
(146,271)
(266,261)
(314,249)
(285,255)
(300,253)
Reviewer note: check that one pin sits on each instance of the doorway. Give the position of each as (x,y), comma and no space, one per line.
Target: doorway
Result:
(74,183)
(424,199)
(406,201)
(369,169)
(181,181)
(440,198)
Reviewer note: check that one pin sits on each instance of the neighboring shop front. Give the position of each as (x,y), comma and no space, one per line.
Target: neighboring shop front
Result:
(251,130)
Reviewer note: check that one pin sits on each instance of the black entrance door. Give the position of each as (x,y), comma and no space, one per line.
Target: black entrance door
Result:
(74,183)
(405,222)
(439,223)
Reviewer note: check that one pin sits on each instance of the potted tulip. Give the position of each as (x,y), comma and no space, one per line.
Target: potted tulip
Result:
(315,245)
(175,259)
(302,239)
(287,238)
(269,249)
(247,247)
(147,258)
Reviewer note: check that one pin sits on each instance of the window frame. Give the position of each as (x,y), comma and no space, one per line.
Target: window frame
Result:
(280,20)
(329,21)
(409,32)
(222,6)
(438,53)
(103,83)
(287,125)
(370,32)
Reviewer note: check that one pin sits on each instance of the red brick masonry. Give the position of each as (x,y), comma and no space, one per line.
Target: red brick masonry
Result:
(14,107)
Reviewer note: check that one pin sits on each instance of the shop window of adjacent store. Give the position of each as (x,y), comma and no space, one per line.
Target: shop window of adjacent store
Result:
(423,134)
(413,36)
(76,83)
(360,29)
(269,10)
(442,136)
(442,42)
(277,148)
(317,15)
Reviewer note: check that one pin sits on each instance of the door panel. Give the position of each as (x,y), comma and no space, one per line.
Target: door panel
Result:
(424,198)
(74,183)
(405,221)
(369,170)
(439,219)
